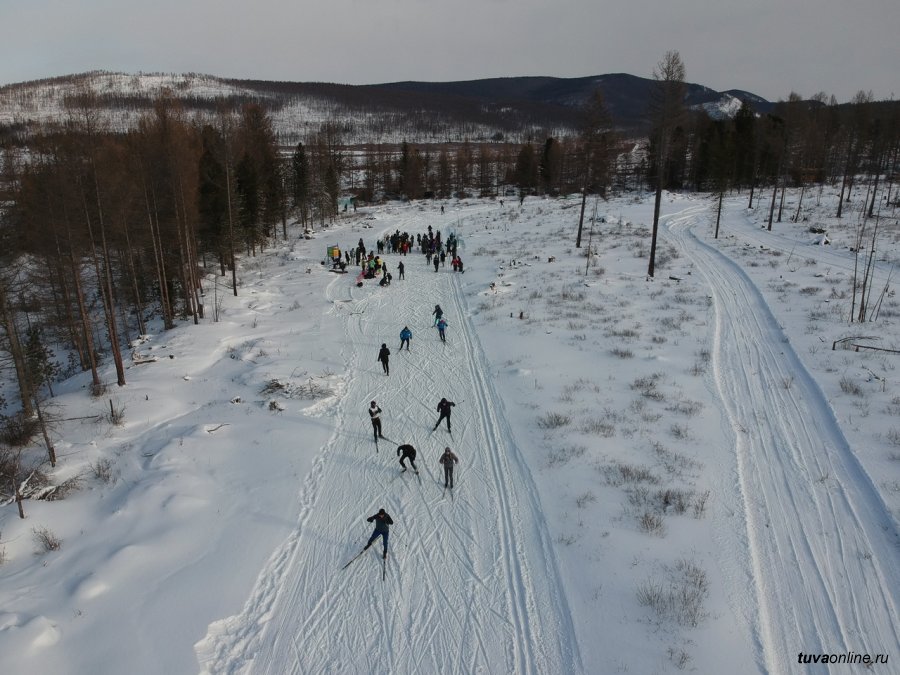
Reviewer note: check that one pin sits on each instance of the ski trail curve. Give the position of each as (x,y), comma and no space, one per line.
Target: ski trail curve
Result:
(472,584)
(824,554)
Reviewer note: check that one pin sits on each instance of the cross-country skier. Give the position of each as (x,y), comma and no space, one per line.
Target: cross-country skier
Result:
(405,336)
(448,459)
(444,409)
(438,313)
(442,327)
(383,355)
(407,452)
(375,414)
(382,522)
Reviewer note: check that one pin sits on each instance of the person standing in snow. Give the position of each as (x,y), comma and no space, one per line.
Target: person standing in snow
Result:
(400,269)
(437,261)
(375,415)
(438,313)
(442,326)
(448,459)
(405,336)
(444,409)
(382,526)
(405,452)
(383,355)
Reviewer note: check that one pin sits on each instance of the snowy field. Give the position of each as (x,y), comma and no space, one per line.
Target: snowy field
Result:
(655,476)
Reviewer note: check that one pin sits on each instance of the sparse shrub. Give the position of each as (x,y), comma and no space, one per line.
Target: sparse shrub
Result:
(622,353)
(553,420)
(809,290)
(700,504)
(18,430)
(45,539)
(652,523)
(102,470)
(848,386)
(563,455)
(686,407)
(625,333)
(647,386)
(893,436)
(679,658)
(698,369)
(673,499)
(681,598)
(585,499)
(618,474)
(116,414)
(599,427)
(893,408)
(679,431)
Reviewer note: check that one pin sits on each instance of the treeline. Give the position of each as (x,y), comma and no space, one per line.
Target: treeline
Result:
(104,231)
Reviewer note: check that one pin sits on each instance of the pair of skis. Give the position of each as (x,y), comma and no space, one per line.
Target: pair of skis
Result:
(402,471)
(383,563)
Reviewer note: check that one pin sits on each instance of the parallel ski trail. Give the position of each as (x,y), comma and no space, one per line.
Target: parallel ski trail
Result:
(472,584)
(824,553)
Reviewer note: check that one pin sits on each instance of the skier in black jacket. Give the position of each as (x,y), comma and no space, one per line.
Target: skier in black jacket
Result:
(444,409)
(375,414)
(383,355)
(407,452)
(382,522)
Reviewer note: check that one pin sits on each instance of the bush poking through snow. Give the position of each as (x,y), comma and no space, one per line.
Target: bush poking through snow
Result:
(679,658)
(681,598)
(553,420)
(563,455)
(583,500)
(619,474)
(18,430)
(102,470)
(848,386)
(45,539)
(652,523)
(116,415)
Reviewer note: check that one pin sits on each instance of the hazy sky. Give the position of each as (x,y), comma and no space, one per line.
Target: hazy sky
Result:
(768,47)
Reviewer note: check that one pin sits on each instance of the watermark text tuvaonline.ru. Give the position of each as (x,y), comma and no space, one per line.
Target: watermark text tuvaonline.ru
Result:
(849,657)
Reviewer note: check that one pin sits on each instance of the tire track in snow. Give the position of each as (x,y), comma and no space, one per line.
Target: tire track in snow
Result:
(472,584)
(823,551)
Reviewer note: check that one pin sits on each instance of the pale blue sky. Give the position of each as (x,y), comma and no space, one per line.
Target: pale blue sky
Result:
(769,47)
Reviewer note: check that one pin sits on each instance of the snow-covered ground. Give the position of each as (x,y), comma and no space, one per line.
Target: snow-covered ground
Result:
(655,475)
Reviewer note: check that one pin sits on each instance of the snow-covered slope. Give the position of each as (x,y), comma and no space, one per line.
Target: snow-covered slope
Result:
(655,475)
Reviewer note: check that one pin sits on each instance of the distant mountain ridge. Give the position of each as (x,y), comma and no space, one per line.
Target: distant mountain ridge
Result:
(511,108)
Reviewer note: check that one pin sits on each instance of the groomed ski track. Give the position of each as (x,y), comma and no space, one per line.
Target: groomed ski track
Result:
(823,557)
(472,583)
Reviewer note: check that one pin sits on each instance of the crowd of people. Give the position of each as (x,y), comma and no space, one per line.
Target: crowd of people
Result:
(372,265)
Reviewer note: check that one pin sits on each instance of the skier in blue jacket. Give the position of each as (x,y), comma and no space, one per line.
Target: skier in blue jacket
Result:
(405,336)
(442,327)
